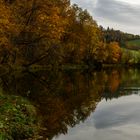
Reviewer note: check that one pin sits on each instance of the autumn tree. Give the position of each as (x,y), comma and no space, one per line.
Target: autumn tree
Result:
(82,37)
(41,25)
(114,52)
(7,28)
(73,38)
(54,32)
(95,48)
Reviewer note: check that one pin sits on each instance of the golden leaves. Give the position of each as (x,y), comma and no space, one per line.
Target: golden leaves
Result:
(7,25)
(114,52)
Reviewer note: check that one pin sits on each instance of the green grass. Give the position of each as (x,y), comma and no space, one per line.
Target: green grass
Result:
(17,118)
(133,44)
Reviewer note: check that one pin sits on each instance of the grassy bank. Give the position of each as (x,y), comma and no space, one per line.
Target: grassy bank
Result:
(18,119)
(133,44)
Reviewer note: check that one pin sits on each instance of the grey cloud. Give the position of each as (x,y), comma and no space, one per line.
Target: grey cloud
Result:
(117,115)
(114,13)
(118,12)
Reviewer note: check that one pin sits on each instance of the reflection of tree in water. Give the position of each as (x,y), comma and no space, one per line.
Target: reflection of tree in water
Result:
(65,99)
(62,99)
(122,83)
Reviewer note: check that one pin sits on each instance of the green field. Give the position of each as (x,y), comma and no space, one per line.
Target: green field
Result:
(133,44)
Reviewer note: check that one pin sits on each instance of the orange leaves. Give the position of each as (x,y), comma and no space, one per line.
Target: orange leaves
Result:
(7,24)
(51,22)
(33,26)
(114,52)
(42,17)
(114,81)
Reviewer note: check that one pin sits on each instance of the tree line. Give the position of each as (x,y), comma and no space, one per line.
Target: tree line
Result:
(54,33)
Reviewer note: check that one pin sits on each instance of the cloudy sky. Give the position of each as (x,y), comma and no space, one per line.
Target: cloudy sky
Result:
(119,14)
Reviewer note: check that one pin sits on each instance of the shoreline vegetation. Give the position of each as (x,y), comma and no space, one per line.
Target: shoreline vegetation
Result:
(5,69)
(18,118)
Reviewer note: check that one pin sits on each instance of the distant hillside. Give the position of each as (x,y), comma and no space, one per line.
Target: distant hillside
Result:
(133,44)
(111,35)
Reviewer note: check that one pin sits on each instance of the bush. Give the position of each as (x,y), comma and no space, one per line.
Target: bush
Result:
(18,118)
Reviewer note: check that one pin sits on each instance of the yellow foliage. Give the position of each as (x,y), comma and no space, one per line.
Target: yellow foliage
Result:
(7,25)
(114,52)
(42,17)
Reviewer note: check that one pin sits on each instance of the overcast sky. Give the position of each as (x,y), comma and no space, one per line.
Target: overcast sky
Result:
(119,14)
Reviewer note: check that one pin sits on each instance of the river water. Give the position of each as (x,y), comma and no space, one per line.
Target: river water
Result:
(79,105)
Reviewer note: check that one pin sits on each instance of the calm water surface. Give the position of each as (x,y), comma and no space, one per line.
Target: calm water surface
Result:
(99,105)
(111,120)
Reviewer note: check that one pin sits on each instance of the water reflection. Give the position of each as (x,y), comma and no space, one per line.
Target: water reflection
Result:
(112,120)
(117,112)
(67,99)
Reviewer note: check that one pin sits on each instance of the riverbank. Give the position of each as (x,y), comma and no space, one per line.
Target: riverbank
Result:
(4,69)
(18,119)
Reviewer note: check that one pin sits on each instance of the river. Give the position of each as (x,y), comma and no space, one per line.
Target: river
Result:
(82,105)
